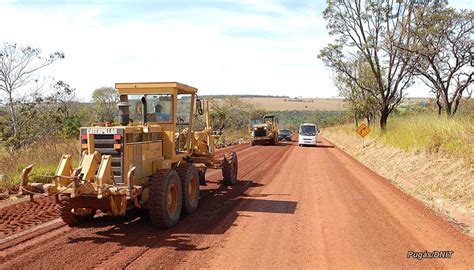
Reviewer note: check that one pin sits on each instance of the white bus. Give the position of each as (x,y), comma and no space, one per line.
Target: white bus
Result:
(308,134)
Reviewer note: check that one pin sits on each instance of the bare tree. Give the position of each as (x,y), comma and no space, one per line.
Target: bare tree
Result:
(368,30)
(443,50)
(18,67)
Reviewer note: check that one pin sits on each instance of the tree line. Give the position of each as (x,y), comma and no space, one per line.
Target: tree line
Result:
(381,47)
(33,108)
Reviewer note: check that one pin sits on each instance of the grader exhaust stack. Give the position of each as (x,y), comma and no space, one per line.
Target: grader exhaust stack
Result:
(139,163)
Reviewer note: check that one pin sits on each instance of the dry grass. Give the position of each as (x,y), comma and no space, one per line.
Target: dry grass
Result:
(427,176)
(45,156)
(430,133)
(233,137)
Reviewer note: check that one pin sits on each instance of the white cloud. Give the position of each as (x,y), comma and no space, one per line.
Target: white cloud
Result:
(220,51)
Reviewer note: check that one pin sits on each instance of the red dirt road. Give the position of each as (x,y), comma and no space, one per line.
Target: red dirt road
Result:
(292,208)
(26,214)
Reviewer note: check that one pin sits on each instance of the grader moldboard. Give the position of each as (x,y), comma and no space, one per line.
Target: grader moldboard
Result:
(153,159)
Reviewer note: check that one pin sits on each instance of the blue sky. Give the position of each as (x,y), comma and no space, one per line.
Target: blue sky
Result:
(220,47)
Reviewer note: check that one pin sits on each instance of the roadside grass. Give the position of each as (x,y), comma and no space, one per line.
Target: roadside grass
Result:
(428,132)
(45,156)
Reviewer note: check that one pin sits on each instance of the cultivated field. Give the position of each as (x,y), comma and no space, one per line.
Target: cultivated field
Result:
(310,104)
(292,104)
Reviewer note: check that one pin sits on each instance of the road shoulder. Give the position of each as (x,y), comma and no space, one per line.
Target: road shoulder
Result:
(440,182)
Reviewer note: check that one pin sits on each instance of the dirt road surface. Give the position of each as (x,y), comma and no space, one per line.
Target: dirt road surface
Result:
(294,207)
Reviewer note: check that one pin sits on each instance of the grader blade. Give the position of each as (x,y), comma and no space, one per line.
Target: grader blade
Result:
(24,185)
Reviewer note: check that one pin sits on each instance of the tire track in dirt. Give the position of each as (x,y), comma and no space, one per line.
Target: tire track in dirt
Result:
(129,236)
(324,210)
(293,207)
(212,209)
(220,215)
(25,215)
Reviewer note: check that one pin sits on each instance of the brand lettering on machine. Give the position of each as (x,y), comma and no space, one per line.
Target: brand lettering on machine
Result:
(101,131)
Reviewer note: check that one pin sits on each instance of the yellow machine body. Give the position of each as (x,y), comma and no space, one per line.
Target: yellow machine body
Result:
(117,161)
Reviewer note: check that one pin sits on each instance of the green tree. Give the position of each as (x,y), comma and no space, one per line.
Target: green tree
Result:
(257,113)
(368,31)
(68,113)
(359,102)
(229,113)
(18,68)
(42,116)
(443,47)
(105,104)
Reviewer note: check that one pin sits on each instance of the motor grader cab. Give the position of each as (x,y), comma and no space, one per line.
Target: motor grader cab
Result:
(152,159)
(265,130)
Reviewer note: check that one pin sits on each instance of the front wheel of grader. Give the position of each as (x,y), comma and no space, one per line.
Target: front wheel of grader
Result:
(67,214)
(230,168)
(165,202)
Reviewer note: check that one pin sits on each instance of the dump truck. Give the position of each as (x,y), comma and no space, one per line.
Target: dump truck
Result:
(152,159)
(264,131)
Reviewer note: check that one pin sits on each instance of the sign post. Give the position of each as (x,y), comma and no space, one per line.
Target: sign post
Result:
(363,130)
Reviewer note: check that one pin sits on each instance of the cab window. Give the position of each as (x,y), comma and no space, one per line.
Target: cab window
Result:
(159,107)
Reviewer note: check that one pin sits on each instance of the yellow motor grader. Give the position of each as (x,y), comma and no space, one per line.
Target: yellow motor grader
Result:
(265,131)
(153,159)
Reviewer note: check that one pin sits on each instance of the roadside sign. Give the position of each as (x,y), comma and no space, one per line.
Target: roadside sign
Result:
(363,130)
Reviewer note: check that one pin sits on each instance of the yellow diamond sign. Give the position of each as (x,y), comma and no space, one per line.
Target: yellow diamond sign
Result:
(363,130)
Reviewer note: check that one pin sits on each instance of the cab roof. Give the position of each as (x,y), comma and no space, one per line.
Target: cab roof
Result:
(154,88)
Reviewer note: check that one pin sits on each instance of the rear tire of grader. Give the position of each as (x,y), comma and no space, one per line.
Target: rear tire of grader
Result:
(189,176)
(230,167)
(165,202)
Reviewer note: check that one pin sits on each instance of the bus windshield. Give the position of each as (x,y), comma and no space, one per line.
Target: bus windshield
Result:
(308,130)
